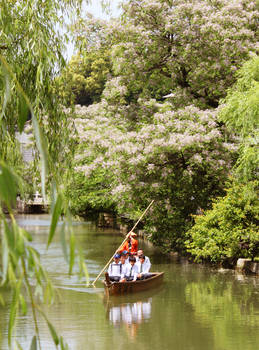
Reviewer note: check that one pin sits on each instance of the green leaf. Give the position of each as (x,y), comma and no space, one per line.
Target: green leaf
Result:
(7,91)
(2,300)
(33,343)
(8,185)
(55,216)
(13,311)
(63,345)
(23,304)
(53,333)
(63,240)
(72,253)
(82,265)
(19,239)
(26,234)
(5,258)
(23,113)
(51,329)
(18,345)
(9,234)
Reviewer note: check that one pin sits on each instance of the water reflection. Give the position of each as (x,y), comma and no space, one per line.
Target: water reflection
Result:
(228,308)
(196,308)
(130,315)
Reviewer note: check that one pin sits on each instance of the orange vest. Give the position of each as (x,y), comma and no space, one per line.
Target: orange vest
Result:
(134,246)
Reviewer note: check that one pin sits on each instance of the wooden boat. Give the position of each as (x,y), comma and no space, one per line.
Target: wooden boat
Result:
(119,288)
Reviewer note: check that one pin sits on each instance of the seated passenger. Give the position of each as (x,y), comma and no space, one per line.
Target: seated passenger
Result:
(147,260)
(143,269)
(131,270)
(126,254)
(124,262)
(115,269)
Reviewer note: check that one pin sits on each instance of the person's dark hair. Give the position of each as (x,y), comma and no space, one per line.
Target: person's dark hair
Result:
(142,257)
(132,258)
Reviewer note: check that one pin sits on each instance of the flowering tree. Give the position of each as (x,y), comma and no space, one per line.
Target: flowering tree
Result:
(190,48)
(230,229)
(178,160)
(173,150)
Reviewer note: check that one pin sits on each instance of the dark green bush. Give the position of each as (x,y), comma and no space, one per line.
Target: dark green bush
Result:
(230,229)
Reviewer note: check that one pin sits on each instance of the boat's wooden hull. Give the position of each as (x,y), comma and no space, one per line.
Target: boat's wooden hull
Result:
(119,288)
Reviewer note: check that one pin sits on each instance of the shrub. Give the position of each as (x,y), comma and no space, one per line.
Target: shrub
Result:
(230,228)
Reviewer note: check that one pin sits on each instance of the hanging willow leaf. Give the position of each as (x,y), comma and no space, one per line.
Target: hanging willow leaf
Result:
(9,235)
(13,311)
(63,345)
(53,333)
(7,90)
(55,216)
(18,345)
(2,300)
(33,343)
(5,259)
(23,304)
(8,185)
(72,252)
(23,113)
(51,328)
(82,266)
(39,137)
(63,240)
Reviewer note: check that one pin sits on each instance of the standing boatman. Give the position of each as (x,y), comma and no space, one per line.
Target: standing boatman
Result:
(131,245)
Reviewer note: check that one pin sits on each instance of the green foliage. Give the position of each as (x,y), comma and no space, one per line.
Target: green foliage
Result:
(33,343)
(55,216)
(88,195)
(230,229)
(30,54)
(181,161)
(240,112)
(8,185)
(175,151)
(83,79)
(191,49)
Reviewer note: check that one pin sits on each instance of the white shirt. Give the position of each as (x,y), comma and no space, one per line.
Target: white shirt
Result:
(124,269)
(145,266)
(115,269)
(131,271)
(146,262)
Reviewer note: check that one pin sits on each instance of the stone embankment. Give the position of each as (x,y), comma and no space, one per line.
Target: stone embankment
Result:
(247,266)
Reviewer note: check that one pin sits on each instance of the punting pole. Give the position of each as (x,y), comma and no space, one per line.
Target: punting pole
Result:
(128,234)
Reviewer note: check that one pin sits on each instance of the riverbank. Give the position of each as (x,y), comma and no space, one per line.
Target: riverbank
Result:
(247,266)
(124,225)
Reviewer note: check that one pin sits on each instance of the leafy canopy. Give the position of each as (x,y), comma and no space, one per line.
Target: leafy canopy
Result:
(240,112)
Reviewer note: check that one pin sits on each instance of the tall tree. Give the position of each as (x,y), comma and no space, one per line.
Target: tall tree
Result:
(240,112)
(30,54)
(83,79)
(189,48)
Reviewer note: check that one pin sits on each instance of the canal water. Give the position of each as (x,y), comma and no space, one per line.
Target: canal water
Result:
(197,308)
